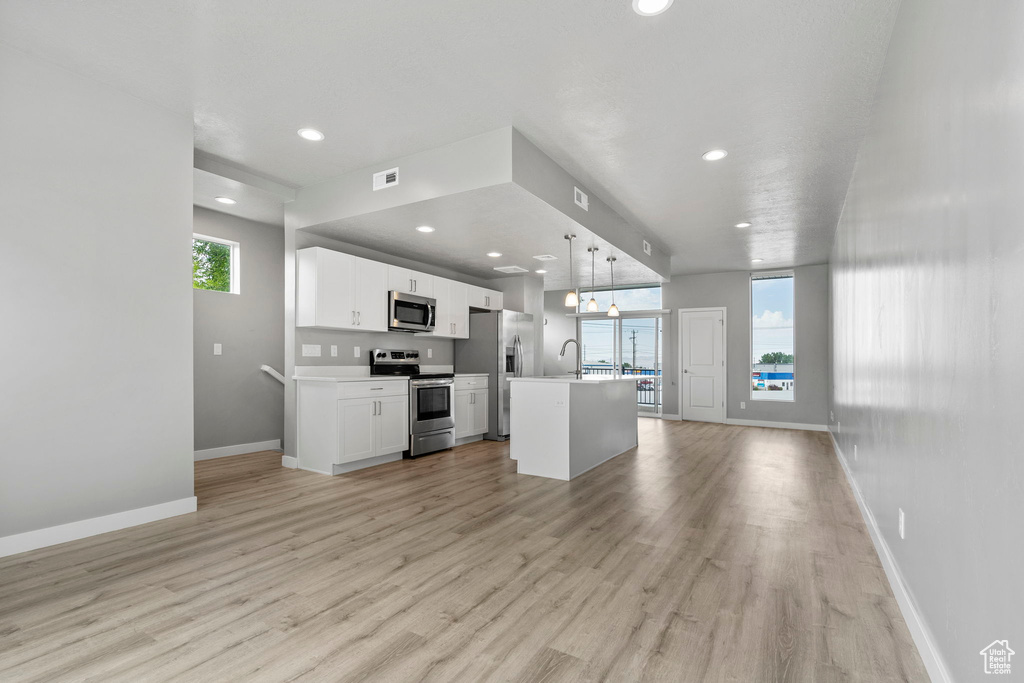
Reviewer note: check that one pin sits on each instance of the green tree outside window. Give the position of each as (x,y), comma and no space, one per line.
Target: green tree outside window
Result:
(211,266)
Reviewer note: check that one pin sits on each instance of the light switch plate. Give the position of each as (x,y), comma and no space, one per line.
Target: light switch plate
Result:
(217,349)
(743,405)
(355,352)
(430,353)
(311,350)
(334,350)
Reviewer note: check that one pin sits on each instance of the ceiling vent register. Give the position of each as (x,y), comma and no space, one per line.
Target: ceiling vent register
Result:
(388,178)
(511,269)
(546,257)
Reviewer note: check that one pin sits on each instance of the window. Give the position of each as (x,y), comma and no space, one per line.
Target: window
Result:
(772,376)
(214,264)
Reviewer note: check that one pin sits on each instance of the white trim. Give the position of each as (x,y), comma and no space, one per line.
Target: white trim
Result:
(919,631)
(666,416)
(72,531)
(725,357)
(289,461)
(778,425)
(239,449)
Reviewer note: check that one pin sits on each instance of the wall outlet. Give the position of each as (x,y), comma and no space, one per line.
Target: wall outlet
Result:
(311,350)
(903,526)
(334,350)
(855,452)
(217,348)
(831,416)
(430,353)
(355,352)
(839,427)
(559,402)
(743,405)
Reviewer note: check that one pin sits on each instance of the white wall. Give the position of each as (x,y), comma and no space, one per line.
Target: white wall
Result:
(928,320)
(95,299)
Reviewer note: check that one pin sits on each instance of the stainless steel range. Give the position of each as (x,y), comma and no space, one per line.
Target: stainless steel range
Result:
(431,400)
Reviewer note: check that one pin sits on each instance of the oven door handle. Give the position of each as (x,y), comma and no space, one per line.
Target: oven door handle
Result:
(416,383)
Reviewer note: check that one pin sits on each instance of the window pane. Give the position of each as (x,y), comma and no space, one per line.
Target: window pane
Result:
(598,340)
(772,377)
(211,266)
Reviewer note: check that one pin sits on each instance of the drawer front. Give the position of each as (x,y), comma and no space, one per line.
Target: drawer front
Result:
(373,389)
(470,383)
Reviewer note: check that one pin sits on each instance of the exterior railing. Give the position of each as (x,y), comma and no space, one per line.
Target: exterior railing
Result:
(645,388)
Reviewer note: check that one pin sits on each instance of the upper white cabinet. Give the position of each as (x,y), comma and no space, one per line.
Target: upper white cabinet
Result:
(452,314)
(345,292)
(340,291)
(410,281)
(485,298)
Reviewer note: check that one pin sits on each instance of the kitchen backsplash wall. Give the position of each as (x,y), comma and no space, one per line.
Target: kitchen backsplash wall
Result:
(347,341)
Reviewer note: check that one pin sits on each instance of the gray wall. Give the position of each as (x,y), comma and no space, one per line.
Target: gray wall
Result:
(236,403)
(557,329)
(96,189)
(732,290)
(928,319)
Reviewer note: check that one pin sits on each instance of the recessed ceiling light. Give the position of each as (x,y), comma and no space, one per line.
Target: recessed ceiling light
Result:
(311,134)
(425,228)
(494,254)
(756,260)
(648,8)
(714,155)
(225,200)
(744,224)
(540,272)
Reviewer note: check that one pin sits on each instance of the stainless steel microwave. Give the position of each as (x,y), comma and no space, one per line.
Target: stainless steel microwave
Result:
(410,313)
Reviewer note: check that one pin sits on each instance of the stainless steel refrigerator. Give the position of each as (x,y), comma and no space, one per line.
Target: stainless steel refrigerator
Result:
(501,344)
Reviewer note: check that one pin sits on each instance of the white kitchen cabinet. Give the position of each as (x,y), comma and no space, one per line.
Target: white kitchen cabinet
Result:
(452,314)
(410,281)
(340,291)
(342,422)
(392,424)
(356,429)
(487,299)
(470,406)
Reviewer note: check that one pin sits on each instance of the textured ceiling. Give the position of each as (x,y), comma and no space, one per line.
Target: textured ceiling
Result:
(502,218)
(624,103)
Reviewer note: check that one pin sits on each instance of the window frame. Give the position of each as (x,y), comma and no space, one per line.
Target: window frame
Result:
(234,262)
(767,275)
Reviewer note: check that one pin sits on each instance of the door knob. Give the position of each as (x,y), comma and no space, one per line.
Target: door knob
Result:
(685,370)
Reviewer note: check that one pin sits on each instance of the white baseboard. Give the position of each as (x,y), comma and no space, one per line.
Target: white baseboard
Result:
(238,449)
(919,631)
(777,425)
(289,461)
(72,531)
(666,416)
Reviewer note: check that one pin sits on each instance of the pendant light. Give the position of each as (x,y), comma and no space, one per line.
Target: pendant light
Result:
(572,299)
(592,304)
(613,310)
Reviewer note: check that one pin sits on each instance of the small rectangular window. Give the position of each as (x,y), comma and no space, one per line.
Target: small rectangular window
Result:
(215,264)
(773,361)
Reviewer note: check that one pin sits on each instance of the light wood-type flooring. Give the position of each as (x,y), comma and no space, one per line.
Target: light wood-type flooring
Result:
(709,553)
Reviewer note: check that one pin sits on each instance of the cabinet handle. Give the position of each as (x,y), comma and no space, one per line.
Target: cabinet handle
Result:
(487,301)
(410,285)
(376,388)
(415,285)
(353,317)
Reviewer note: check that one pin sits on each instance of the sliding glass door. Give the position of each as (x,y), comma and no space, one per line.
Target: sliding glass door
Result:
(630,345)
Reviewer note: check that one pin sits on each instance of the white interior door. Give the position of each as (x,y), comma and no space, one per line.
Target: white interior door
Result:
(702,356)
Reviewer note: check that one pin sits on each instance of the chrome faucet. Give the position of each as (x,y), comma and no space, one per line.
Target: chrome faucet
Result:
(579,356)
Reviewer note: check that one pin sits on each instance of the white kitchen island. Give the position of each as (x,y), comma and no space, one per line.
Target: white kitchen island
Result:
(562,426)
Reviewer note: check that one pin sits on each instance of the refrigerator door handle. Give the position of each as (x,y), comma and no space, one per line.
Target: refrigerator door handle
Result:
(517,350)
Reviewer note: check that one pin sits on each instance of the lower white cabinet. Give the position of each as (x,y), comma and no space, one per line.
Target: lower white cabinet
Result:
(345,422)
(470,407)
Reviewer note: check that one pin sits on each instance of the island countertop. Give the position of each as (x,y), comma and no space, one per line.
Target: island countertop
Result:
(571,379)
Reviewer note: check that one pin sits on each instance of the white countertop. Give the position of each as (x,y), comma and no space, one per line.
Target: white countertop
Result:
(335,378)
(571,379)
